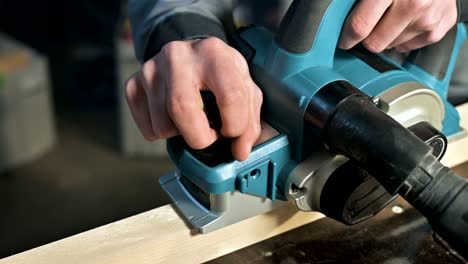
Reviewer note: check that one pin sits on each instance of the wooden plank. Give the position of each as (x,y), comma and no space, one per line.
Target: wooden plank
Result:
(160,236)
(457,152)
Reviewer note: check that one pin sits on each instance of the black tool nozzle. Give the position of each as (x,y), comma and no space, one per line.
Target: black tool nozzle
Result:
(361,131)
(350,124)
(443,201)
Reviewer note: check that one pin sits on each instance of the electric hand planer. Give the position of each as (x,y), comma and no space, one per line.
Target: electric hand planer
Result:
(343,128)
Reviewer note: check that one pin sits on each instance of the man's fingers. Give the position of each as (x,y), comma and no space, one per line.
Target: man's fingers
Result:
(407,35)
(242,146)
(419,42)
(362,21)
(394,22)
(153,84)
(162,125)
(426,22)
(137,101)
(427,38)
(186,111)
(184,102)
(225,79)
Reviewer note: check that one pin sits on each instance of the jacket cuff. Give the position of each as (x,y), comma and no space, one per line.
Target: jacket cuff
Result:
(462,7)
(182,26)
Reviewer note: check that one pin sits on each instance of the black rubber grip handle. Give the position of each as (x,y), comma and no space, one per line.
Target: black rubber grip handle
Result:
(299,27)
(360,131)
(401,162)
(435,59)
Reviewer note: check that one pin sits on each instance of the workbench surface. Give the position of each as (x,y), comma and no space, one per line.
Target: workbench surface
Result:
(402,237)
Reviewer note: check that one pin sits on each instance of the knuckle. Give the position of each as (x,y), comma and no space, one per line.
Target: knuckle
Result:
(419,5)
(240,62)
(173,49)
(154,136)
(213,44)
(230,97)
(258,95)
(427,23)
(257,130)
(130,83)
(211,47)
(231,131)
(149,71)
(373,46)
(359,27)
(163,132)
(199,144)
(176,107)
(433,37)
(130,90)
(205,142)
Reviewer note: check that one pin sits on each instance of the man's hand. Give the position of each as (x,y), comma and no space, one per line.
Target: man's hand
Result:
(164,96)
(401,24)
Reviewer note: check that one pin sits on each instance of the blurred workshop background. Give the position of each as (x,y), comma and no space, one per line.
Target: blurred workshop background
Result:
(71,158)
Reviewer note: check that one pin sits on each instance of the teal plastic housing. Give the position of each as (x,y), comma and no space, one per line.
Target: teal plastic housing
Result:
(257,175)
(297,77)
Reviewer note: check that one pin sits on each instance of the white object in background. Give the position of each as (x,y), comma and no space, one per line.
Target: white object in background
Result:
(27,128)
(132,142)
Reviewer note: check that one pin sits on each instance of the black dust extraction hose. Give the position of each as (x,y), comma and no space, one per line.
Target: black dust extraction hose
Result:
(354,127)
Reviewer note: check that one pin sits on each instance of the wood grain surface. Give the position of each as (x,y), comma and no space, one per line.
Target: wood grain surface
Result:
(161,236)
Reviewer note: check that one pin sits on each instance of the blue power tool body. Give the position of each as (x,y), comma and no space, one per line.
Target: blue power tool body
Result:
(292,68)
